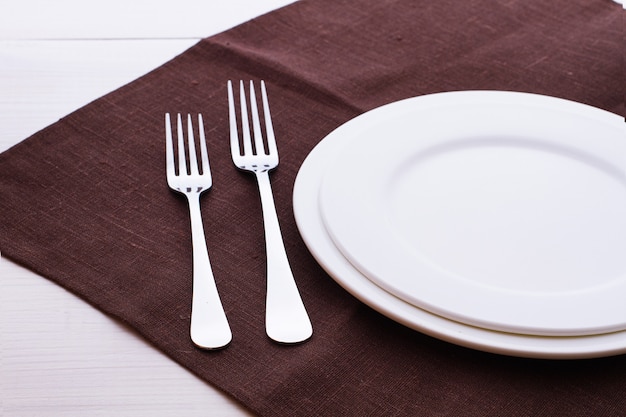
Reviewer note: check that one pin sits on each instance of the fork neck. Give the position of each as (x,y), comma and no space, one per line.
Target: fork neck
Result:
(193,198)
(263,178)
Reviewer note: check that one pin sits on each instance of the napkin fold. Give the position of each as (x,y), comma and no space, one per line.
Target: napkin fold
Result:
(85,203)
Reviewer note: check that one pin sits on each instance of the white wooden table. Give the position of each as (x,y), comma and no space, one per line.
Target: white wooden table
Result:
(58,355)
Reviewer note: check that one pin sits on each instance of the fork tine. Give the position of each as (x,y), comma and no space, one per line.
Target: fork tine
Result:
(169,148)
(256,124)
(269,128)
(182,163)
(234,135)
(245,125)
(193,159)
(204,155)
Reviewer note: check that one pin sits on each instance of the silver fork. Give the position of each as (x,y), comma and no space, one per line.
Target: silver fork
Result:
(286,319)
(209,326)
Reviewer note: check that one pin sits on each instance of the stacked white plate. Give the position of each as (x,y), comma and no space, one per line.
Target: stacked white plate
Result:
(493,220)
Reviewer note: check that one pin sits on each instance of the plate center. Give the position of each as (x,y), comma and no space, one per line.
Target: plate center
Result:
(513,215)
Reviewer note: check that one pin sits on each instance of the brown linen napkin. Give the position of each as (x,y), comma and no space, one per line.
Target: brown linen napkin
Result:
(85,203)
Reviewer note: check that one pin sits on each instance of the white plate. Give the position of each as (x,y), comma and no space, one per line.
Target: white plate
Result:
(312,229)
(500,210)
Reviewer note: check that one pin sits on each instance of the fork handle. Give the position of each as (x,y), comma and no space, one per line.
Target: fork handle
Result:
(209,326)
(286,319)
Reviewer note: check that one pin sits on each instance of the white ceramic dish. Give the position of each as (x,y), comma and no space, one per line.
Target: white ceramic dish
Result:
(501,210)
(312,228)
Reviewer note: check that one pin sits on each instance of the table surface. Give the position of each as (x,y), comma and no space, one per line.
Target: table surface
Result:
(58,355)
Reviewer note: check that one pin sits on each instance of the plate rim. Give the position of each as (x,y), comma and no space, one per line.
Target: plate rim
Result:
(305,196)
(432,293)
